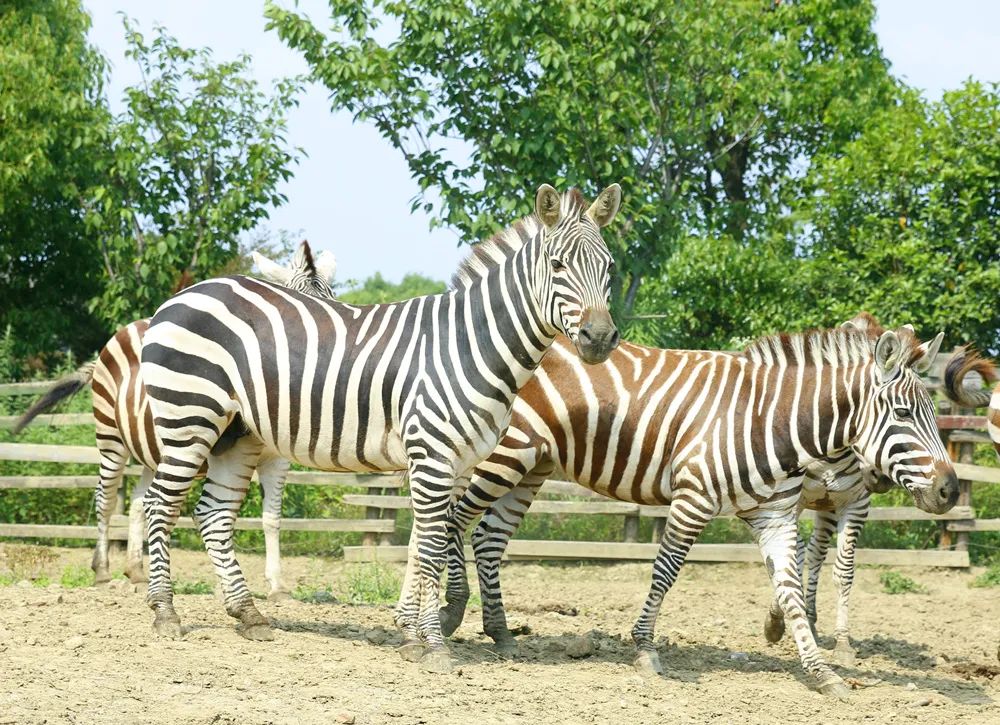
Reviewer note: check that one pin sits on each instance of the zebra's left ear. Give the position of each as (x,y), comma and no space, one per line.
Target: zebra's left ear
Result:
(930,350)
(269,270)
(888,351)
(606,206)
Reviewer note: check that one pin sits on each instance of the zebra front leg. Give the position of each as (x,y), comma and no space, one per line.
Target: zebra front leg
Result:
(137,530)
(776,534)
(489,542)
(114,456)
(774,624)
(686,520)
(222,495)
(819,545)
(162,506)
(456,594)
(272,473)
(851,522)
(408,608)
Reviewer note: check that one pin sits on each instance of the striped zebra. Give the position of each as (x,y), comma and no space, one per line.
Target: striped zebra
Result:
(709,434)
(424,385)
(124,427)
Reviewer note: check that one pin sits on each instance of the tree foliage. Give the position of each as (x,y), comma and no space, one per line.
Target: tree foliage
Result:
(707,111)
(196,159)
(53,124)
(376,290)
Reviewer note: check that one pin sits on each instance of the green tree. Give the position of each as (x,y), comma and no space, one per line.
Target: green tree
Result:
(708,111)
(53,126)
(196,159)
(376,290)
(906,221)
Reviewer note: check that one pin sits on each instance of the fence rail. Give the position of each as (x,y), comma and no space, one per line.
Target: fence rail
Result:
(380,504)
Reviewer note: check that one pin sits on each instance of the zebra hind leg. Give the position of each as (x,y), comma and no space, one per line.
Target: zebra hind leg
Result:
(686,520)
(137,531)
(114,457)
(223,493)
(456,595)
(776,534)
(849,529)
(272,473)
(408,608)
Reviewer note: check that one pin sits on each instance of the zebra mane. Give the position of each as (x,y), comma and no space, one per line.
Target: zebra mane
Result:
(489,255)
(836,346)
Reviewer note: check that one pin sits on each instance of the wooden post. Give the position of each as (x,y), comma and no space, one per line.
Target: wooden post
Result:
(631,528)
(659,526)
(386,539)
(368,539)
(965,454)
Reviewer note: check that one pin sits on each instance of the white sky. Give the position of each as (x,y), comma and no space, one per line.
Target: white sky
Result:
(352,193)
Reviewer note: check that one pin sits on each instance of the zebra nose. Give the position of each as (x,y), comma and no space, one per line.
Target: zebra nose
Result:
(946,487)
(597,336)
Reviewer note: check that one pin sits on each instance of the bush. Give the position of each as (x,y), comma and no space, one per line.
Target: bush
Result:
(895,583)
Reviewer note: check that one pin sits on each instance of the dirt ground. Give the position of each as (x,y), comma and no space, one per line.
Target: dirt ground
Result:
(88,655)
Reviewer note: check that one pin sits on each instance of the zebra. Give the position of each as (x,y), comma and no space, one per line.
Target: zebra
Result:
(708,433)
(424,385)
(124,427)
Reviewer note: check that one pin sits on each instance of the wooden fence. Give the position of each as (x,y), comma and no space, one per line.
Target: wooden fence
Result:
(383,498)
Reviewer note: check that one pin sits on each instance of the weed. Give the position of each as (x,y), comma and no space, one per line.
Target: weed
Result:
(26,561)
(374,583)
(321,594)
(895,583)
(198,587)
(989,578)
(76,577)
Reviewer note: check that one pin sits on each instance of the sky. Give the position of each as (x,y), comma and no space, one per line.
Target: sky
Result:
(352,192)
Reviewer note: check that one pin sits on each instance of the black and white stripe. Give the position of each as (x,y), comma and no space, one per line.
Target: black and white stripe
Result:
(424,385)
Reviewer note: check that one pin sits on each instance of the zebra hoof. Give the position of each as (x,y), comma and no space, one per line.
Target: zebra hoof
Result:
(437,661)
(833,686)
(168,625)
(279,595)
(256,632)
(648,663)
(843,654)
(774,628)
(136,576)
(102,576)
(412,650)
(450,621)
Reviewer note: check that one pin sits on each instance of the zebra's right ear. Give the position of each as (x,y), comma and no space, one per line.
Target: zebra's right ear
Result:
(888,351)
(271,271)
(326,266)
(548,206)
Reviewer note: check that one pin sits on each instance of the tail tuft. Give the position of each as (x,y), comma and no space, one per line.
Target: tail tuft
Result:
(961,364)
(63,388)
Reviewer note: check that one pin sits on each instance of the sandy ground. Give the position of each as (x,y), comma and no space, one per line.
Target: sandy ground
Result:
(88,655)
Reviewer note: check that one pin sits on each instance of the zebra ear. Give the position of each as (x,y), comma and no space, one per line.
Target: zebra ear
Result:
(887,353)
(606,206)
(930,351)
(269,270)
(548,206)
(326,266)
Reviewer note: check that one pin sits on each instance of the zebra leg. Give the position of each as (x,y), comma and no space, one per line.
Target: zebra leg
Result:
(686,520)
(489,541)
(408,608)
(114,457)
(456,593)
(137,530)
(774,624)
(776,533)
(852,520)
(272,473)
(819,544)
(222,495)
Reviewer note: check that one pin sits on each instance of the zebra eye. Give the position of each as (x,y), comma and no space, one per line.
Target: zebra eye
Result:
(903,413)
(557,264)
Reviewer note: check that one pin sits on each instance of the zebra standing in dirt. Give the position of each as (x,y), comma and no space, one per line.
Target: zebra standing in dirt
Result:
(425,385)
(710,434)
(124,427)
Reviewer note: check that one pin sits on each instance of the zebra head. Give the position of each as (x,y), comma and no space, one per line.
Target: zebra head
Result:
(574,274)
(896,427)
(306,274)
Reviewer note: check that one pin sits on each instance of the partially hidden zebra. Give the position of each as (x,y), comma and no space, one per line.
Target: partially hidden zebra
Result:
(424,385)
(124,427)
(708,433)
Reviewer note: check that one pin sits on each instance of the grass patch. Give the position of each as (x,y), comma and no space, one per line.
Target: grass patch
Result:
(320,594)
(198,587)
(895,583)
(989,578)
(75,576)
(374,583)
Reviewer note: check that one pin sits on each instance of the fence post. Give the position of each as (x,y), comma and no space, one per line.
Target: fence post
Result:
(659,526)
(372,513)
(966,449)
(631,528)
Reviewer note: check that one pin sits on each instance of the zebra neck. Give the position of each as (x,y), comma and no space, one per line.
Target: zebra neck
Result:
(815,410)
(500,321)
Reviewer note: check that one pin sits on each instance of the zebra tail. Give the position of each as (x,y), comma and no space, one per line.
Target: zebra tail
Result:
(64,388)
(962,363)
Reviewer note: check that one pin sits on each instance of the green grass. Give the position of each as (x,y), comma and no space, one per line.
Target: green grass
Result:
(371,584)
(76,577)
(989,578)
(195,587)
(895,583)
(320,594)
